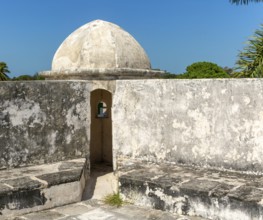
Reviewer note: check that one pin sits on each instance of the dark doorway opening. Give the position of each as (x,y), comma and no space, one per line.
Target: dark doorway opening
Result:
(101,128)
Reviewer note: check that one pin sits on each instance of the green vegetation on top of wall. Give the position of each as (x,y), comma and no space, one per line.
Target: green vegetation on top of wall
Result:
(3,71)
(28,77)
(205,70)
(201,70)
(4,77)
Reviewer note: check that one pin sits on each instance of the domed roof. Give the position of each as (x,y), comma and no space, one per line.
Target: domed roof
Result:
(99,45)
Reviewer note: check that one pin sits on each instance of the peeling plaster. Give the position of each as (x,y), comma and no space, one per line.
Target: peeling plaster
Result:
(197,122)
(21,111)
(75,116)
(52,141)
(43,122)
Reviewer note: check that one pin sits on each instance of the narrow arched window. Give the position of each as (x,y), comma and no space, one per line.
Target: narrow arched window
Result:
(102,110)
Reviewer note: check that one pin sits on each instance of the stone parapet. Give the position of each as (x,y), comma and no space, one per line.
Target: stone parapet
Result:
(24,190)
(190,191)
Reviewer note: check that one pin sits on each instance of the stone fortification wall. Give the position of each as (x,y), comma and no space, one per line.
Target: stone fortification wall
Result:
(43,121)
(211,122)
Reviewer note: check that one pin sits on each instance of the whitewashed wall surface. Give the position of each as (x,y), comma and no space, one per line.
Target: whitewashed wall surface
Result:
(208,122)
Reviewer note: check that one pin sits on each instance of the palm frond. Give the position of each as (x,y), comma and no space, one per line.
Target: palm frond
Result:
(244,2)
(250,60)
(3,71)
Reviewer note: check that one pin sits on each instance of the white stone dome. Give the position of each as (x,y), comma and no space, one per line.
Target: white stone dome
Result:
(99,45)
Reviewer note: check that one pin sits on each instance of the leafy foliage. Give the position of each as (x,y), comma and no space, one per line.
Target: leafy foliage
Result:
(28,77)
(250,61)
(3,71)
(200,70)
(114,200)
(168,75)
(245,2)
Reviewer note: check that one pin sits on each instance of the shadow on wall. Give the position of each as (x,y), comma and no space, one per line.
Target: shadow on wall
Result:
(102,182)
(101,127)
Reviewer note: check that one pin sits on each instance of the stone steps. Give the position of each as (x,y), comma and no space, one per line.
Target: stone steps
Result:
(190,191)
(101,183)
(35,188)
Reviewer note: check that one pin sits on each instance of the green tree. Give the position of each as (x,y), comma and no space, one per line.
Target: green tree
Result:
(250,60)
(3,71)
(23,78)
(28,77)
(168,75)
(204,70)
(36,76)
(245,2)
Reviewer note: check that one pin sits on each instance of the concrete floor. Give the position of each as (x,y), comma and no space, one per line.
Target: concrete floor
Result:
(96,210)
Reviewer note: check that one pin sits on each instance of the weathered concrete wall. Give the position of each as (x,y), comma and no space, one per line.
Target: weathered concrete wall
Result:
(217,122)
(42,122)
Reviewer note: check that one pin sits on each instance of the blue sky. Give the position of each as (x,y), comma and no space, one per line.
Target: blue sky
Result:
(174,33)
